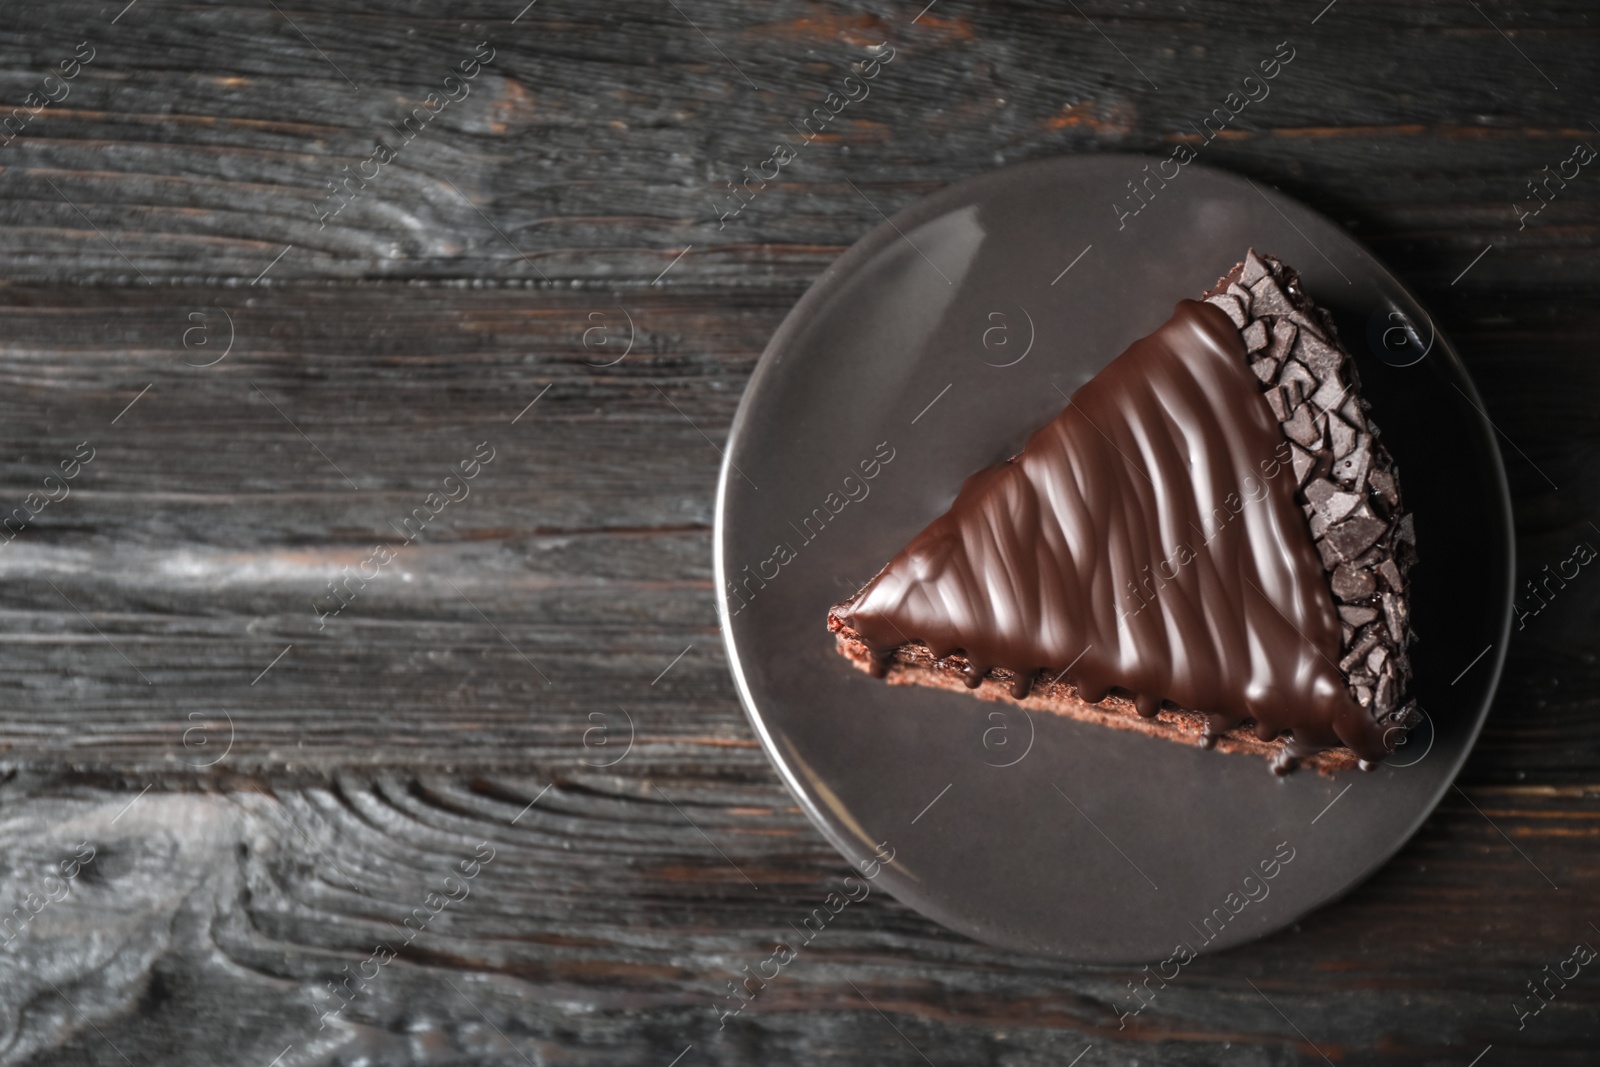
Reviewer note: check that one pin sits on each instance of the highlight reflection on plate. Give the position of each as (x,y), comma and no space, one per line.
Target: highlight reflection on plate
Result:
(887,385)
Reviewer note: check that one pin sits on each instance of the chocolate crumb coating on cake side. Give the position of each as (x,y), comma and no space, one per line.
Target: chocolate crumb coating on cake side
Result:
(1063,580)
(1350,488)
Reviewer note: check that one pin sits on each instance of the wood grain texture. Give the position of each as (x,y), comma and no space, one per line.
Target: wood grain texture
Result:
(269,795)
(202,138)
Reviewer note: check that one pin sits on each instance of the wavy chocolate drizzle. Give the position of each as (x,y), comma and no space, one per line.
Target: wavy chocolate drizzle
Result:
(1149,539)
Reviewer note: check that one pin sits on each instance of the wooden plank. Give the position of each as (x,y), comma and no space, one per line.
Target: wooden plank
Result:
(600,143)
(601,926)
(200,540)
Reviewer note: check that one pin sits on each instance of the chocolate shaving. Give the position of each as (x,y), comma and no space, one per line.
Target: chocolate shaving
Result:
(1231,306)
(1350,491)
(1382,483)
(1332,502)
(1328,394)
(1302,460)
(1304,321)
(1252,269)
(1352,469)
(1299,427)
(1356,615)
(1354,412)
(1323,360)
(1269,299)
(1356,535)
(1340,435)
(1351,583)
(1283,335)
(1294,376)
(1359,649)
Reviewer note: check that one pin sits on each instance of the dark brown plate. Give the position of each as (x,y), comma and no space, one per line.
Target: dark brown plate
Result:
(946,335)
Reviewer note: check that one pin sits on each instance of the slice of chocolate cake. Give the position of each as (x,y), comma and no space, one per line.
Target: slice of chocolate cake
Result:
(1207,544)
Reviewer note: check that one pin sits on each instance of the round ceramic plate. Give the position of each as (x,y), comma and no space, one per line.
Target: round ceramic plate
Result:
(931,349)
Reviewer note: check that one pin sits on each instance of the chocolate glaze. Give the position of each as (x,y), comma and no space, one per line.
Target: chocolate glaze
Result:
(1150,537)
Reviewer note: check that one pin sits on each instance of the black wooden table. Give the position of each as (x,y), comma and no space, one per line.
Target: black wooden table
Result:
(312,756)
